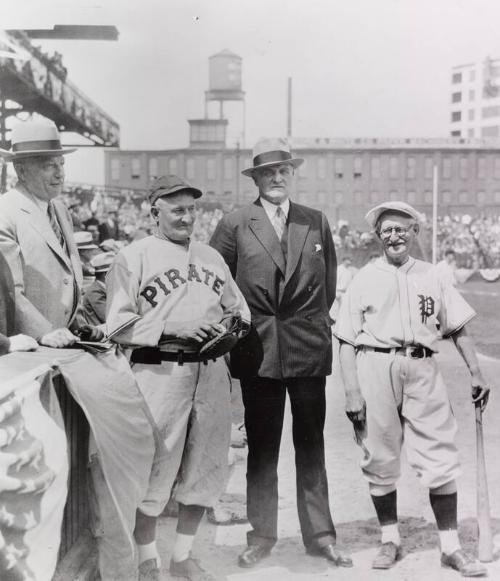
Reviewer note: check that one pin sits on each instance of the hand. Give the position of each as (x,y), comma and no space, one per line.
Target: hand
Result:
(480,393)
(90,333)
(355,406)
(58,338)
(200,332)
(22,343)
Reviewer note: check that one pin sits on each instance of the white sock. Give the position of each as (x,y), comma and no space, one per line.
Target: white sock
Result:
(390,534)
(449,541)
(182,547)
(148,552)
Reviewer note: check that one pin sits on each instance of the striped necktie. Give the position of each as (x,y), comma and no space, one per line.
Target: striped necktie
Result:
(54,224)
(279,222)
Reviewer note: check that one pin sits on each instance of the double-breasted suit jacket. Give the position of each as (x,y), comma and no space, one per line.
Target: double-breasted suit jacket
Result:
(289,299)
(47,277)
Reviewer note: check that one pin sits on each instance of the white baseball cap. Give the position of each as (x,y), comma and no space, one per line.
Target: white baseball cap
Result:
(373,216)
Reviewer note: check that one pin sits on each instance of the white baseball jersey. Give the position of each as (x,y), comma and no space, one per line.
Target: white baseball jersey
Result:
(154,280)
(387,306)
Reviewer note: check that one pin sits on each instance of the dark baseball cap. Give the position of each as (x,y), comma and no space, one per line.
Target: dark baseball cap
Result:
(168,185)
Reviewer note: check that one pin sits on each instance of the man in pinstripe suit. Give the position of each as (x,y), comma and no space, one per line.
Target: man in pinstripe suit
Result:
(282,257)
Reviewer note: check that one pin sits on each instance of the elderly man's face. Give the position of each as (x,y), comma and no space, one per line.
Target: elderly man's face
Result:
(274,182)
(397,233)
(175,216)
(43,177)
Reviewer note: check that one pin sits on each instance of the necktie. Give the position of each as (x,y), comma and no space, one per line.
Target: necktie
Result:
(54,224)
(279,222)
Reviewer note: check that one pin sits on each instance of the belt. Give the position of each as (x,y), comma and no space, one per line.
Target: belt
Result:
(154,356)
(412,351)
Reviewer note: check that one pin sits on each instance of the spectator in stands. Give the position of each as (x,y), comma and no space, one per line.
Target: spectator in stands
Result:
(36,239)
(94,301)
(447,267)
(109,228)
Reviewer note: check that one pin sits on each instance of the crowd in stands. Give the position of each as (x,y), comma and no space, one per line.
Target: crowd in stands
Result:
(475,240)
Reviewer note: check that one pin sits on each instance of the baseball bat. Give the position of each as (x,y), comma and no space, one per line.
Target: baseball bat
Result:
(485,542)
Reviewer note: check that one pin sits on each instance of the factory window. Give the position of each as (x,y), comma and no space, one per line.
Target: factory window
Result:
(358,167)
(446,197)
(456,78)
(464,166)
(172,166)
(375,197)
(470,132)
(428,197)
(302,197)
(393,167)
(482,198)
(321,168)
(472,76)
(471,114)
(136,168)
(411,165)
(491,111)
(496,197)
(302,171)
(472,95)
(412,197)
(428,168)
(446,168)
(228,168)
(339,197)
(490,131)
(456,116)
(375,167)
(481,168)
(456,133)
(393,195)
(211,169)
(496,168)
(463,197)
(115,168)
(153,168)
(322,198)
(190,168)
(339,168)
(456,97)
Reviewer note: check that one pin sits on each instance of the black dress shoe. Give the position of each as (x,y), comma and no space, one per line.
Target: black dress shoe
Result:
(252,555)
(330,553)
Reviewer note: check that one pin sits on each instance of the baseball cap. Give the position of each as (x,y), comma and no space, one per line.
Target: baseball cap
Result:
(168,185)
(102,262)
(372,217)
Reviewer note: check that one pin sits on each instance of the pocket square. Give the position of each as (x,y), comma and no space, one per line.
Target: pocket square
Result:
(317,247)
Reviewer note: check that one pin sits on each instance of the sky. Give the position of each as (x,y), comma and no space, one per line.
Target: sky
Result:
(360,68)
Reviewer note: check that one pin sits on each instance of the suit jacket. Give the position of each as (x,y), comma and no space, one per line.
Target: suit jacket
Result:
(291,327)
(94,304)
(47,279)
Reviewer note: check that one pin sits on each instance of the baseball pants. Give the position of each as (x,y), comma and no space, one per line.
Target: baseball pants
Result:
(191,406)
(406,400)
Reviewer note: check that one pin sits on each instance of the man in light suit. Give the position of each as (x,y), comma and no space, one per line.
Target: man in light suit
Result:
(36,237)
(282,257)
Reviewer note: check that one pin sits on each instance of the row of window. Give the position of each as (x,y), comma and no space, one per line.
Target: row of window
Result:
(493,111)
(395,168)
(458,78)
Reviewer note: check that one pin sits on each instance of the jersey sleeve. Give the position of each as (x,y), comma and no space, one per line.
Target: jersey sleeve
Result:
(350,319)
(455,311)
(124,323)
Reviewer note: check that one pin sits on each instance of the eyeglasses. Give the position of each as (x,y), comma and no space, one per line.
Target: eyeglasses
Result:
(400,231)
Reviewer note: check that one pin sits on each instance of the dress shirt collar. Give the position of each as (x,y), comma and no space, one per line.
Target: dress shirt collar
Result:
(271,208)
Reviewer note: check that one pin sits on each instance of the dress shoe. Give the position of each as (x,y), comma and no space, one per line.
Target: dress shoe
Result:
(387,556)
(330,553)
(252,555)
(149,570)
(190,569)
(465,565)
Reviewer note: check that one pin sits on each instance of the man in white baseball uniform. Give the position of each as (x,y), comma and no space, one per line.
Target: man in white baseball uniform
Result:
(166,295)
(388,334)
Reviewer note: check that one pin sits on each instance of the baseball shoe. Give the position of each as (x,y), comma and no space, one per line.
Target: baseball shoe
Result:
(253,555)
(190,569)
(387,556)
(464,564)
(149,570)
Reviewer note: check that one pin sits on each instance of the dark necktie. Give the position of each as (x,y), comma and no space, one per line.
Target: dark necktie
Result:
(54,224)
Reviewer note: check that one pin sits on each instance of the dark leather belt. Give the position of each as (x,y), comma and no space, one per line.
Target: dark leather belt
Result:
(154,356)
(412,351)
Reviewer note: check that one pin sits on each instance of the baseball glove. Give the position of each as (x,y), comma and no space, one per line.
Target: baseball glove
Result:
(225,341)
